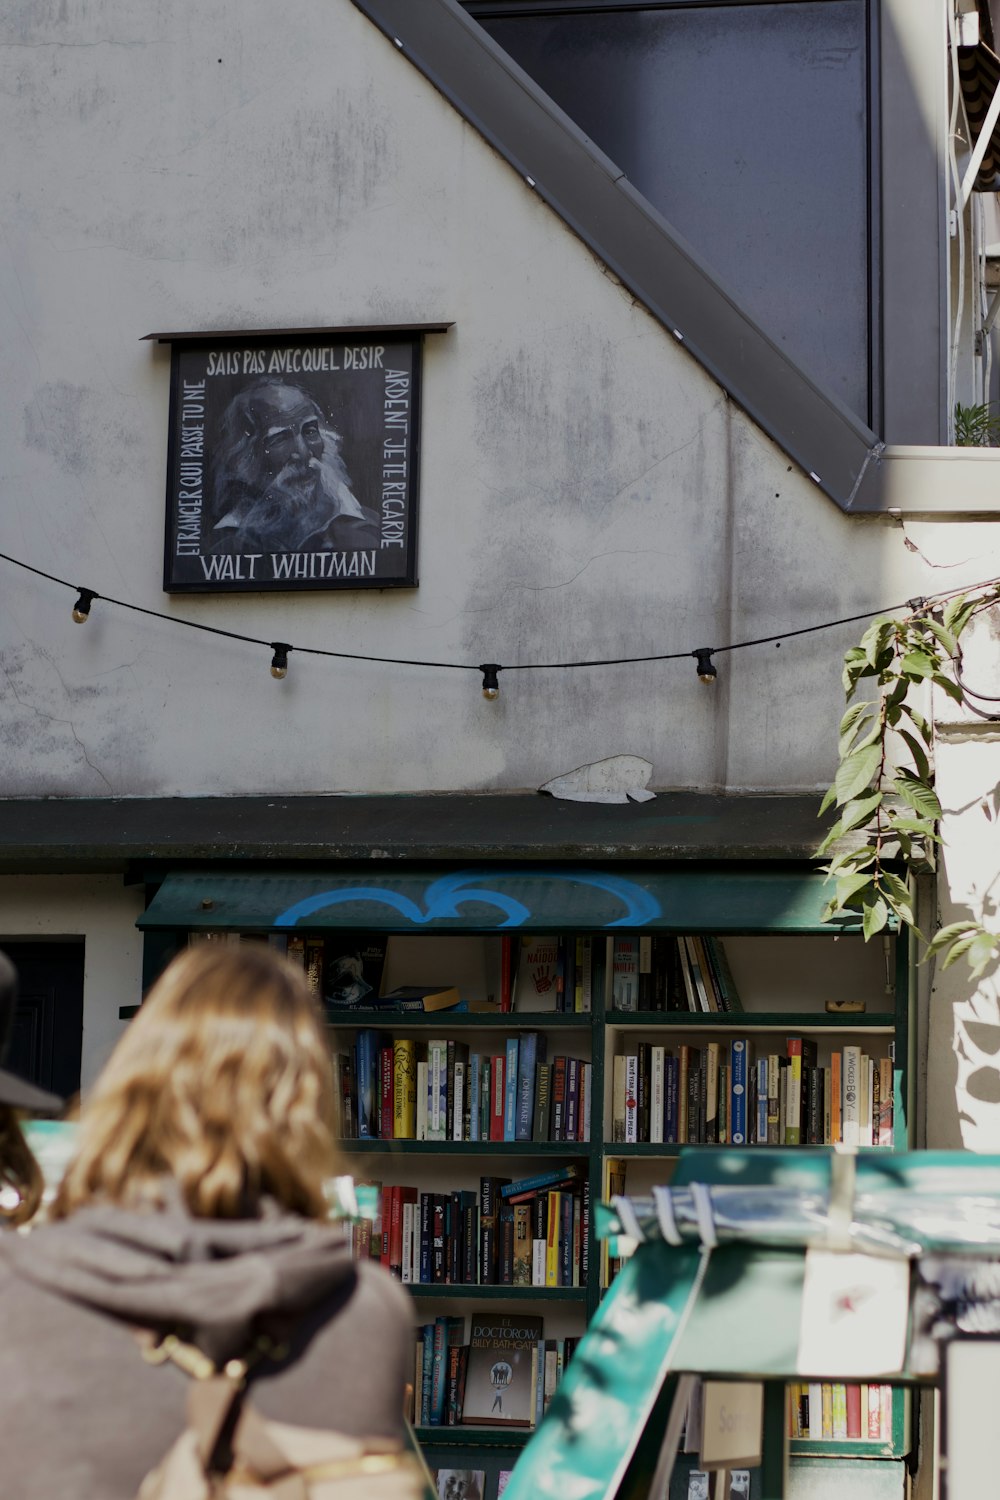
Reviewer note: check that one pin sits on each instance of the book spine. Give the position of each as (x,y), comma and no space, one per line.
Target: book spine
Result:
(644,975)
(487,1226)
(631,1097)
(885,1102)
(572,1098)
(386,1091)
(684,1069)
(763,1099)
(559,1099)
(583,995)
(671,1067)
(406,1272)
(541,1124)
(366,1051)
(404,1089)
(475,1084)
(793,1098)
(505,1220)
(625,966)
(497,1100)
(739,1064)
(586,1086)
(458,1110)
(510,1089)
(657,1060)
(566,1239)
(438,1372)
(437,1239)
(539,1235)
(437,1090)
(851,1102)
(522,1244)
(618,1098)
(552,1238)
(427,1373)
(527,1062)
(712,1093)
(426,1231)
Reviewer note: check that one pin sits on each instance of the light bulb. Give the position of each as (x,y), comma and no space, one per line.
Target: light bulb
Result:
(706,667)
(491,684)
(81,609)
(279,661)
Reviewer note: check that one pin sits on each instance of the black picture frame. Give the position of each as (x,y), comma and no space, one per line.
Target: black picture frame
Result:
(293,462)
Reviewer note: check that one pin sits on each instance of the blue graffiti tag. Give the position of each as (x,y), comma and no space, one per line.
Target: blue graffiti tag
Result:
(443,897)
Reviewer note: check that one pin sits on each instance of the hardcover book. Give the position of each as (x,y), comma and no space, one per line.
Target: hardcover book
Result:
(498,1387)
(352,971)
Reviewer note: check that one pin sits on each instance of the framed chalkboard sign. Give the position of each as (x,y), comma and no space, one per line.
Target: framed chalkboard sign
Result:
(292,463)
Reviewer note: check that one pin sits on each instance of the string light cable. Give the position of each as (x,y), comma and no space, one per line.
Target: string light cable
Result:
(702,655)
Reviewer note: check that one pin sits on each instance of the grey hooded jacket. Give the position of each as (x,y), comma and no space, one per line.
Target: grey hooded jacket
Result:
(84,1417)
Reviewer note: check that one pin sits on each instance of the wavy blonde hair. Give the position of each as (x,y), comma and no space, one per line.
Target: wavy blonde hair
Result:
(222,1083)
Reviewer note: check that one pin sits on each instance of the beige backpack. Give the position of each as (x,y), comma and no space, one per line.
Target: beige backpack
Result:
(228,1451)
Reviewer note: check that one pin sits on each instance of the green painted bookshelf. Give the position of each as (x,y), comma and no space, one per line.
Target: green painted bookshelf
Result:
(786,963)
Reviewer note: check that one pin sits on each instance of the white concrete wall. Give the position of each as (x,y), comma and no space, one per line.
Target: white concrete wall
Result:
(102,911)
(586,490)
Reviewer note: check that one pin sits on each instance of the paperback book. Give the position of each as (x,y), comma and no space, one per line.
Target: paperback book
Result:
(499,1391)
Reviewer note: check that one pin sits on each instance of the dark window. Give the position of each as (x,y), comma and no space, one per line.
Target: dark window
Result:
(749,127)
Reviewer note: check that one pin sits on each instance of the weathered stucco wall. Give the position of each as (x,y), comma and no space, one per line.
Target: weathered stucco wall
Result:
(586,490)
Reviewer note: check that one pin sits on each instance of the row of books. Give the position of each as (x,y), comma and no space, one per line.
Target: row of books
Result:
(722,1093)
(659,972)
(347,971)
(399,1088)
(532,1231)
(503,1374)
(842,1413)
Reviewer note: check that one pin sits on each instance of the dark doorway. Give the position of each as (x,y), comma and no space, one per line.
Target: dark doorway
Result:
(47,1039)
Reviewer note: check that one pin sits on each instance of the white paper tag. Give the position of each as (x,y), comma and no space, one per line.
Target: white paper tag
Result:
(854,1315)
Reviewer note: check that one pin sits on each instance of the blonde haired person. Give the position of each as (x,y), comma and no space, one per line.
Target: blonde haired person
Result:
(195,1205)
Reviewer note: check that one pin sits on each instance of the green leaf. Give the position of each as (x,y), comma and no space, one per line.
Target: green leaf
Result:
(848,886)
(922,826)
(876,638)
(831,837)
(945,636)
(829,797)
(984,947)
(946,935)
(851,723)
(897,893)
(958,612)
(874,918)
(917,794)
(962,945)
(856,772)
(855,667)
(850,859)
(919,723)
(855,814)
(920,761)
(918,664)
(898,693)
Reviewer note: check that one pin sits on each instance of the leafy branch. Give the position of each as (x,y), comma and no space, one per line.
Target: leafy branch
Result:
(890,799)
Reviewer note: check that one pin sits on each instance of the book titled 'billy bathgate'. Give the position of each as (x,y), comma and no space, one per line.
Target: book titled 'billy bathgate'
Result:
(499,1390)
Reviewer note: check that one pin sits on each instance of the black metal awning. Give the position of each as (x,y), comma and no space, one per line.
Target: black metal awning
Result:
(129,833)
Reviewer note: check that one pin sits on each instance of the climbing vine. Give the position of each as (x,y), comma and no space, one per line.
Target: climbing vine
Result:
(884,787)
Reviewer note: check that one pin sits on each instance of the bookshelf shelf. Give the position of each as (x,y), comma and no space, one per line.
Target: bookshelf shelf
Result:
(669,1152)
(478,1437)
(508,1150)
(444,1020)
(749,1022)
(780,967)
(471,1292)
